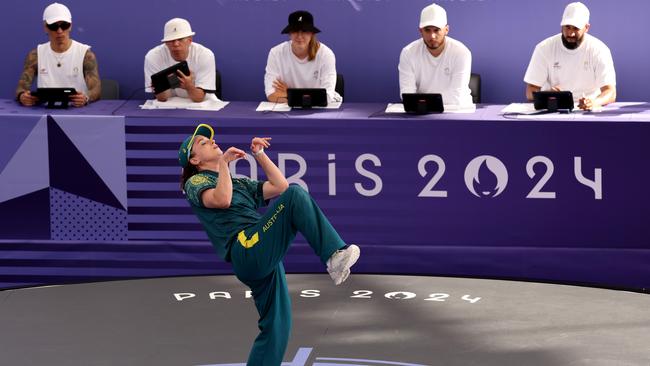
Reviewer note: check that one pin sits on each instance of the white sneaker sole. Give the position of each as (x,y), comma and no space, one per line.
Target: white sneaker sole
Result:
(355,252)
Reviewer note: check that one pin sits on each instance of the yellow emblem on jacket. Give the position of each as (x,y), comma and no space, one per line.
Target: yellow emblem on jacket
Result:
(245,242)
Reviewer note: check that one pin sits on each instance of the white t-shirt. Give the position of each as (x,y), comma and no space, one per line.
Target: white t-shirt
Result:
(582,71)
(296,73)
(448,74)
(200,61)
(70,73)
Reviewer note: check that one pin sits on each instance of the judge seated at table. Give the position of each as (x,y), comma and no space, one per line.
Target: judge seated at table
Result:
(301,62)
(178,45)
(60,63)
(574,61)
(435,62)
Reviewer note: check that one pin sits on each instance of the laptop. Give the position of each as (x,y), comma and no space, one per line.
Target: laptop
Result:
(553,101)
(168,78)
(422,103)
(54,97)
(306,97)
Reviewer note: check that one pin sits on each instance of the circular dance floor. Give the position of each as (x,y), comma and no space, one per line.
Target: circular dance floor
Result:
(370,320)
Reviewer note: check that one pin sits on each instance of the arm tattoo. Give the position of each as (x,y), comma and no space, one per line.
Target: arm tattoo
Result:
(29,71)
(91,75)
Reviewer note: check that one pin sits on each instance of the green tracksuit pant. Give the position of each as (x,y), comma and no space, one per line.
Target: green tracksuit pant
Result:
(257,261)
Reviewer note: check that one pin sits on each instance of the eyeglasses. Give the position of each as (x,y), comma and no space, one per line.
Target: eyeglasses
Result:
(55,26)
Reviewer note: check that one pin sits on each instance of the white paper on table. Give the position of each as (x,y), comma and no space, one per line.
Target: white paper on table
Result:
(208,105)
(284,107)
(211,103)
(575,115)
(528,111)
(519,108)
(399,108)
(272,107)
(395,108)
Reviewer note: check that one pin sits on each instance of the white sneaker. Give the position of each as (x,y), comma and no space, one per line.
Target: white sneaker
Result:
(338,266)
(340,277)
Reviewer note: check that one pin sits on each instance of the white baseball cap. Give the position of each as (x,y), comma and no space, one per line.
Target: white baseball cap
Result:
(57,13)
(576,14)
(177,28)
(433,15)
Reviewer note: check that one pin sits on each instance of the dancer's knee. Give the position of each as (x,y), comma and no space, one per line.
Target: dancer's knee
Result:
(295,190)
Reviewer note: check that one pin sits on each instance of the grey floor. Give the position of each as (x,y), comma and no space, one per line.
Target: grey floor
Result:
(370,320)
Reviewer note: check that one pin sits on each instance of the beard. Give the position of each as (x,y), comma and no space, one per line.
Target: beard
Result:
(572,45)
(434,46)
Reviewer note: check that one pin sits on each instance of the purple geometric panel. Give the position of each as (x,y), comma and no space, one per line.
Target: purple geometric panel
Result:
(27,168)
(14,131)
(77,218)
(71,172)
(101,141)
(26,217)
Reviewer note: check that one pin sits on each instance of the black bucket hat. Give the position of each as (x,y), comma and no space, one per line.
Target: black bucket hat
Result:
(300,20)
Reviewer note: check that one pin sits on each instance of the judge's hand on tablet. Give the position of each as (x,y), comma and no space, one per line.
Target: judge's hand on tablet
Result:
(187,81)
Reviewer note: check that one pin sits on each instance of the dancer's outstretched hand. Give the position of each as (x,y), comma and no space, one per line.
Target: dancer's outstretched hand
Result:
(259,143)
(233,154)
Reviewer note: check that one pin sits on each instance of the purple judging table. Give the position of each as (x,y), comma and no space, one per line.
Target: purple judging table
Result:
(454,194)
(553,198)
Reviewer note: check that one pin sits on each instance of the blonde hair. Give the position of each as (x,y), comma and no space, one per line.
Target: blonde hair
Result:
(313,47)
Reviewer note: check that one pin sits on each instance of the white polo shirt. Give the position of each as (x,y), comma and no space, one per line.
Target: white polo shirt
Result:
(62,70)
(283,64)
(200,61)
(582,71)
(448,74)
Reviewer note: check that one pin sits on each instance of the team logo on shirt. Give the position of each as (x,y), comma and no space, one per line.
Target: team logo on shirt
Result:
(198,180)
(447,71)
(316,75)
(586,65)
(43,71)
(556,65)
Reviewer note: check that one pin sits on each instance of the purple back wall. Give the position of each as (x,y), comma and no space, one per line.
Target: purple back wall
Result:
(366,36)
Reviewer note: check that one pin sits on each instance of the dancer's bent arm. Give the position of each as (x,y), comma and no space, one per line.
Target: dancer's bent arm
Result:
(221,195)
(276,182)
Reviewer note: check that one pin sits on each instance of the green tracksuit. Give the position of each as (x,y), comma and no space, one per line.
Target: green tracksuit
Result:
(256,245)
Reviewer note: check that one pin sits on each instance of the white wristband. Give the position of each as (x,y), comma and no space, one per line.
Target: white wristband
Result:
(255,154)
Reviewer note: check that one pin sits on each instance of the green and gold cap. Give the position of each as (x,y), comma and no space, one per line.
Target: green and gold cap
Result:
(185,150)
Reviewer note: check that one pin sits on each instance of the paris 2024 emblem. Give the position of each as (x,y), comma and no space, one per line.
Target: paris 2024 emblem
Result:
(486,176)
